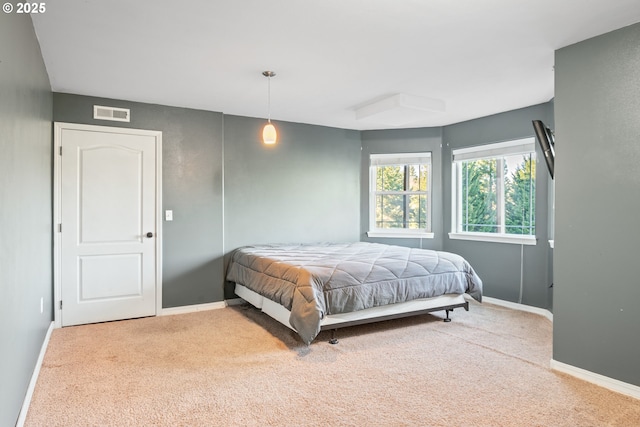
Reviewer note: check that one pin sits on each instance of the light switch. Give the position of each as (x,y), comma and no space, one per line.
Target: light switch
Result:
(168,215)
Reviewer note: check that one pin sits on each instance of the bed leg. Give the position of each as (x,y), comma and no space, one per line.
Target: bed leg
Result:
(333,339)
(447,319)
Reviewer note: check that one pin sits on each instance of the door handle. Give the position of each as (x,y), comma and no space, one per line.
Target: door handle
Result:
(149,235)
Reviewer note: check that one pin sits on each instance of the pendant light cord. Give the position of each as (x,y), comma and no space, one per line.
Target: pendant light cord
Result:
(269,100)
(268,75)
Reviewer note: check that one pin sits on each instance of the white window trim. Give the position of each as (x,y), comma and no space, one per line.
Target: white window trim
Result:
(487,151)
(518,146)
(515,239)
(409,234)
(399,158)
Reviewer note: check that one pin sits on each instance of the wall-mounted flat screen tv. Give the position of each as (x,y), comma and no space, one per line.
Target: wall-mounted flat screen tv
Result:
(545,138)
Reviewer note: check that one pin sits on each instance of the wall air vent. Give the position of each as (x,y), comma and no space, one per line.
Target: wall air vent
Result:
(111,113)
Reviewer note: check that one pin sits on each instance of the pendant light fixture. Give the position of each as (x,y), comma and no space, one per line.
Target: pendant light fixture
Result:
(269,134)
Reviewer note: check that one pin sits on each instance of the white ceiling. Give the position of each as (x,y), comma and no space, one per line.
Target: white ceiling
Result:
(330,56)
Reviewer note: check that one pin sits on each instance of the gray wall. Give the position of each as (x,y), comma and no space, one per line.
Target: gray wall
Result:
(306,188)
(192,187)
(597,289)
(25,210)
(405,141)
(499,264)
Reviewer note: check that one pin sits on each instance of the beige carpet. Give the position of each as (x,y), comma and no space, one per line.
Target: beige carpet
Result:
(235,366)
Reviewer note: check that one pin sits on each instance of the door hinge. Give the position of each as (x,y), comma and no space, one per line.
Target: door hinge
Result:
(60,228)
(60,304)
(60,151)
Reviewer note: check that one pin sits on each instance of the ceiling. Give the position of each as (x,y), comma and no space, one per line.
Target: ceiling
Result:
(330,57)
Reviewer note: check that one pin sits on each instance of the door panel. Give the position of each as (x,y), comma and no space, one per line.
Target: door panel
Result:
(100,184)
(109,277)
(108,204)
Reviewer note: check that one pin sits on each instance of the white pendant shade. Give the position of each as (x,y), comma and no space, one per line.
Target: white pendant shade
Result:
(269,134)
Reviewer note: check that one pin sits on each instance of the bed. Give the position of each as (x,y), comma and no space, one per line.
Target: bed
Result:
(315,287)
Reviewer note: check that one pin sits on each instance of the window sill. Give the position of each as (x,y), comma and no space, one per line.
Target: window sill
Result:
(400,234)
(495,238)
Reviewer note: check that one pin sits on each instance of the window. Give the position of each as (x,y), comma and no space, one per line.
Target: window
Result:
(400,195)
(493,193)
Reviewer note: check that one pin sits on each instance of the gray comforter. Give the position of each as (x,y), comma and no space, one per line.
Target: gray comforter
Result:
(312,281)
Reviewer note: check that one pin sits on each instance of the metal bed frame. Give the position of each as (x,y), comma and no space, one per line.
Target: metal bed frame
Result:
(447,302)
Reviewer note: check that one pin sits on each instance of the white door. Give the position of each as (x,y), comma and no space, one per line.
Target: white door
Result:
(108,223)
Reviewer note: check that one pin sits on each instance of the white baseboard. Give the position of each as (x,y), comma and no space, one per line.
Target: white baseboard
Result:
(193,308)
(522,307)
(597,379)
(34,378)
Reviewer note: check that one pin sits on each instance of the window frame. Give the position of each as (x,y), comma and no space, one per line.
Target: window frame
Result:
(391,159)
(522,146)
